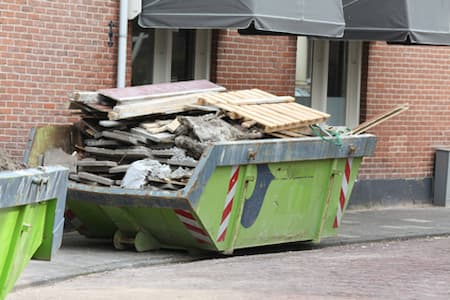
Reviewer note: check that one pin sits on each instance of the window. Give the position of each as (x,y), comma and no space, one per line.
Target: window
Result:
(164,55)
(329,78)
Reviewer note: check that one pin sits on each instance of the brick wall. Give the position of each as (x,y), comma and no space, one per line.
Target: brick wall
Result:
(244,62)
(417,75)
(47,50)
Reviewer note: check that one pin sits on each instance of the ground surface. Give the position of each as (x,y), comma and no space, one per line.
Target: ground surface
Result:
(412,269)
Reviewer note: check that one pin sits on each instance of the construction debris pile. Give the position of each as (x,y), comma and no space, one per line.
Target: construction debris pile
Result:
(153,136)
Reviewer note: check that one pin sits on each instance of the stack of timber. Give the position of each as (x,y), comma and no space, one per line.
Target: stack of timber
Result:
(272,113)
(154,135)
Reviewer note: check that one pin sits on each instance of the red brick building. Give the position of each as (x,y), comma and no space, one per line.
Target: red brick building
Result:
(51,48)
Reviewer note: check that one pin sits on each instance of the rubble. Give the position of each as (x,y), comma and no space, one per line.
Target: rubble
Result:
(153,136)
(8,164)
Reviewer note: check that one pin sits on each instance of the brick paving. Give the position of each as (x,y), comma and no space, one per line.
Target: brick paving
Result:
(411,269)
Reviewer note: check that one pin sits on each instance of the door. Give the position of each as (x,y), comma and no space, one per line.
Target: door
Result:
(329,78)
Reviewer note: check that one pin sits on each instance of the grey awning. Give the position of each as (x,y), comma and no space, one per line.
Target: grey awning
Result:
(403,21)
(302,17)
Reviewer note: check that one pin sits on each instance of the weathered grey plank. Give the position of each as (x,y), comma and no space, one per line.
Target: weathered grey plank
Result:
(95,178)
(124,138)
(137,151)
(163,137)
(159,90)
(96,163)
(100,143)
(84,96)
(119,169)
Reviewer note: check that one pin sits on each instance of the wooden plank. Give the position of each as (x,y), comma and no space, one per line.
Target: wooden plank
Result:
(207,108)
(110,124)
(154,128)
(243,113)
(363,127)
(248,97)
(136,136)
(274,116)
(124,138)
(95,178)
(166,181)
(279,99)
(84,96)
(296,111)
(137,151)
(160,90)
(91,108)
(101,143)
(96,163)
(304,108)
(248,124)
(173,126)
(75,177)
(155,124)
(182,163)
(165,152)
(296,115)
(119,169)
(86,128)
(271,112)
(156,106)
(163,137)
(261,93)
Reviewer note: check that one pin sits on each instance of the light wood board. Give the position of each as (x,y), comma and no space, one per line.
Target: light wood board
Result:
(272,112)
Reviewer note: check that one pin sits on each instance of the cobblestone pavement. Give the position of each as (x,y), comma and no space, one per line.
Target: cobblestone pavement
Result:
(411,269)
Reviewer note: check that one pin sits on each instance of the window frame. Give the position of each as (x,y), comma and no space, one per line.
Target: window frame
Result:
(162,59)
(319,76)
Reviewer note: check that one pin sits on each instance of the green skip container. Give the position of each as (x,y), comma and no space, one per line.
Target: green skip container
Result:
(242,194)
(32,203)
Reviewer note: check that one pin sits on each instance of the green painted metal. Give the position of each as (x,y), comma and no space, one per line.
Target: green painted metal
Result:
(92,222)
(31,217)
(242,194)
(21,234)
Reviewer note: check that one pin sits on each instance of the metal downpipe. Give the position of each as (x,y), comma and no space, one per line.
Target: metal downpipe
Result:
(122,49)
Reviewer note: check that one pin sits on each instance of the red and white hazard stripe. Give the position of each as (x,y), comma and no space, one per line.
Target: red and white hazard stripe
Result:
(344,192)
(191,224)
(226,214)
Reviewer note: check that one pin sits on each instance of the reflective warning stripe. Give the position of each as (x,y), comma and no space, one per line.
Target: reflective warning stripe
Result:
(229,200)
(343,195)
(191,225)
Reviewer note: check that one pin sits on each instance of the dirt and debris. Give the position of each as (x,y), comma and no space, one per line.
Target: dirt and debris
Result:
(153,136)
(9,164)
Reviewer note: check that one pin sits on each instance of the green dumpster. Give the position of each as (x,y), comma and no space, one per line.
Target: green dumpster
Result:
(32,203)
(242,194)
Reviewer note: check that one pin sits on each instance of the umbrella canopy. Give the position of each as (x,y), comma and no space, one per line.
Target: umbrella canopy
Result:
(300,17)
(401,21)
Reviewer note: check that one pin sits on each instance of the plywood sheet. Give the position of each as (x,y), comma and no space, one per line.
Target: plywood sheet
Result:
(159,90)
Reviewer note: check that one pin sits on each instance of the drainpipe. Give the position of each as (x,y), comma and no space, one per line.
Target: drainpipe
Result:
(122,55)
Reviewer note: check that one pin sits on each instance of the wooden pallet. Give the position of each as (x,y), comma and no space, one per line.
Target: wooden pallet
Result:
(274,113)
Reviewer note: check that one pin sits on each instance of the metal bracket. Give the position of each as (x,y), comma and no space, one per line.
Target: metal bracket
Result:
(111,25)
